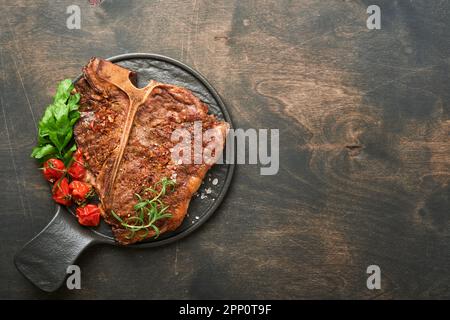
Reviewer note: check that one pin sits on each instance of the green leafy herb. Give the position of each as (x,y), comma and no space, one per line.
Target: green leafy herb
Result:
(56,125)
(148,211)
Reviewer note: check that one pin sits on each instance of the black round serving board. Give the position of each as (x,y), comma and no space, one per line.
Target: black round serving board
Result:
(45,258)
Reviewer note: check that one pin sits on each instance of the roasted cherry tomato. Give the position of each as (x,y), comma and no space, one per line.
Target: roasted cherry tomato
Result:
(80,191)
(78,154)
(89,215)
(61,192)
(77,170)
(53,169)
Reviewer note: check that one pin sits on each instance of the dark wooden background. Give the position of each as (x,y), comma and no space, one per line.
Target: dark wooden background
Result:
(364,120)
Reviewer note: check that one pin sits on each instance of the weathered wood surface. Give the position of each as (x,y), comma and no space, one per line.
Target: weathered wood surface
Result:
(364,156)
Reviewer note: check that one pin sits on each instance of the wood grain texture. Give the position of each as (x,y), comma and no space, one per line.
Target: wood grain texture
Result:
(364,119)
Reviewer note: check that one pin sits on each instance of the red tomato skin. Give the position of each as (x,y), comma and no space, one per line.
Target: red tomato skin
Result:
(53,170)
(88,215)
(77,170)
(61,192)
(78,154)
(80,190)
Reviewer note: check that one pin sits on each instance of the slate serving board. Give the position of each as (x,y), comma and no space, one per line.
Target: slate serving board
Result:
(44,260)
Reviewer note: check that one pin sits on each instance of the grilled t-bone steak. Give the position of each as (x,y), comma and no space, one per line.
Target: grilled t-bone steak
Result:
(125,134)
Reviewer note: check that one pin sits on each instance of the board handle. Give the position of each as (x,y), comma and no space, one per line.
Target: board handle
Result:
(44,260)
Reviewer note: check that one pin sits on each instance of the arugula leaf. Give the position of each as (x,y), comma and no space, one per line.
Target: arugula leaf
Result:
(73,102)
(68,155)
(56,125)
(41,152)
(63,91)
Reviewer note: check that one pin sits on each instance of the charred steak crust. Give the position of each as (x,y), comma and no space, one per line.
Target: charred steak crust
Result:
(125,135)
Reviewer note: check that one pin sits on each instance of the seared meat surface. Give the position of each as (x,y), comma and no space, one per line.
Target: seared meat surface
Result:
(127,138)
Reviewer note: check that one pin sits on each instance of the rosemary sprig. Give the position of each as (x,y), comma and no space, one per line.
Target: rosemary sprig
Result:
(149,210)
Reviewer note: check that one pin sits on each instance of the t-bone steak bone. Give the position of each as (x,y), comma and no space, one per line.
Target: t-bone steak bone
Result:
(126,136)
